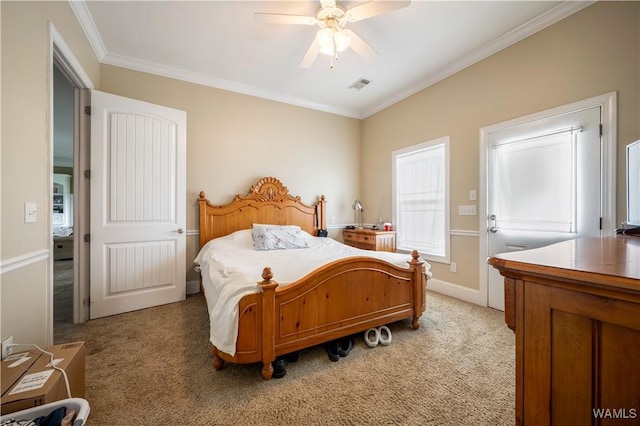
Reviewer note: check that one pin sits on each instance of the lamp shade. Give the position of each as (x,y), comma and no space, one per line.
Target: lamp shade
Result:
(326,38)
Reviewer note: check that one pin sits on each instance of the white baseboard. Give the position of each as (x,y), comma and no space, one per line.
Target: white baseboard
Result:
(454,290)
(193,287)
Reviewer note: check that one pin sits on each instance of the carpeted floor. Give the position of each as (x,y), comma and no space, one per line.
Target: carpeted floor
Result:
(153,367)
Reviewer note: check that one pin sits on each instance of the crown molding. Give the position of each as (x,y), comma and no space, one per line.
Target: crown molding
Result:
(83,15)
(554,15)
(525,30)
(218,83)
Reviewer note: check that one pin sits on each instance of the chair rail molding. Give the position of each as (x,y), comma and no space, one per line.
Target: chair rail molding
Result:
(24,260)
(464,233)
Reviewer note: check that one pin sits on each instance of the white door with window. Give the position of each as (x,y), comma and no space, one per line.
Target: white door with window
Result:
(543,186)
(138,185)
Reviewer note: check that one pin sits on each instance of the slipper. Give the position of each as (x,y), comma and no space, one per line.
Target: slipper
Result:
(344,346)
(385,335)
(279,368)
(372,341)
(332,351)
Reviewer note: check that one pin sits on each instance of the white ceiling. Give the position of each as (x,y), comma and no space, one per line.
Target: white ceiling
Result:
(221,44)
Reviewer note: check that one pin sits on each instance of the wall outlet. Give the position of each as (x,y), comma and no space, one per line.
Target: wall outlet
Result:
(469,210)
(333,220)
(453,267)
(6,348)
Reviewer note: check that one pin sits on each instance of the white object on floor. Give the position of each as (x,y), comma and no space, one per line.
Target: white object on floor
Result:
(385,335)
(372,342)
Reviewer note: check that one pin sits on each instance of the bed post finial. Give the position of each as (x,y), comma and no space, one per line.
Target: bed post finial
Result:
(203,195)
(267,274)
(321,213)
(420,291)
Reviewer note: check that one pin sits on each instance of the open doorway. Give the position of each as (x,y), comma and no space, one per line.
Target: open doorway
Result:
(62,199)
(69,186)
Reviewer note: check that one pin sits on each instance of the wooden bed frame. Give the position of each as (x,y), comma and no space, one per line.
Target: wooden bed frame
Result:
(339,299)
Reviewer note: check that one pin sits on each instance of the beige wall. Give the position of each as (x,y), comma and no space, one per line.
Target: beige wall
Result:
(590,53)
(26,156)
(233,140)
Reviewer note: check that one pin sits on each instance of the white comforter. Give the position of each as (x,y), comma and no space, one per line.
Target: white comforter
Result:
(232,268)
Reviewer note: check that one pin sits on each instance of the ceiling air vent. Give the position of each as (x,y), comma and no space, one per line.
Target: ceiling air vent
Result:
(359,84)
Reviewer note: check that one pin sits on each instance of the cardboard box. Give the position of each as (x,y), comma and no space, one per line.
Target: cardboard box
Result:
(41,384)
(14,366)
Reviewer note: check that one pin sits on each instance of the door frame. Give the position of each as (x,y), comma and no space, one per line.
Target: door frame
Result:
(60,55)
(608,103)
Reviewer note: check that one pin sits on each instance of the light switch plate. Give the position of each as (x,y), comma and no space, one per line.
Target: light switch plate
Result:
(469,210)
(30,212)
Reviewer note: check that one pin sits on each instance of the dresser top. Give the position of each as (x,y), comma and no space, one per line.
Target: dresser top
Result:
(611,261)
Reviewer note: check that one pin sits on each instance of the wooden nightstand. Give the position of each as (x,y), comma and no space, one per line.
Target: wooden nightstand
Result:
(370,239)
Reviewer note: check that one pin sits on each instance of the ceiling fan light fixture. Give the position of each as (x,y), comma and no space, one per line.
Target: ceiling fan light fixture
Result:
(332,38)
(332,41)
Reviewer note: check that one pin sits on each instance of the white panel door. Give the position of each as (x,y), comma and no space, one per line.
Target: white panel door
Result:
(138,175)
(543,186)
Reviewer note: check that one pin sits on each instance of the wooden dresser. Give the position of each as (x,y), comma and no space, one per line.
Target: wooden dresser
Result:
(575,309)
(370,239)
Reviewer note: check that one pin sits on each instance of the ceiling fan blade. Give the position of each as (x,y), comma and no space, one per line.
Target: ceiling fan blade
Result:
(278,18)
(361,48)
(310,56)
(374,8)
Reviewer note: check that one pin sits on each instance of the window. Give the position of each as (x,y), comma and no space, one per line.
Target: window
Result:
(535,183)
(421,198)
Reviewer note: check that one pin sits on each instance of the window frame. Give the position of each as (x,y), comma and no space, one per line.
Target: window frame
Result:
(441,141)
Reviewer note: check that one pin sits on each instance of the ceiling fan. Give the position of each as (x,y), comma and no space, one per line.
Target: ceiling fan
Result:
(332,37)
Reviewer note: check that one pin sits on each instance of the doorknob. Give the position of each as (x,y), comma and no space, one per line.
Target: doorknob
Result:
(179,231)
(493,228)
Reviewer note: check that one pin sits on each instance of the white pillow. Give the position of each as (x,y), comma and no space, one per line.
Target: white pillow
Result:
(242,238)
(278,237)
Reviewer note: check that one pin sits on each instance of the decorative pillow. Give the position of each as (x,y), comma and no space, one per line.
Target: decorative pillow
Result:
(278,237)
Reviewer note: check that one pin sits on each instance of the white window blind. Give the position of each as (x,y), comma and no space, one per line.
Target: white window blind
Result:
(421,199)
(535,185)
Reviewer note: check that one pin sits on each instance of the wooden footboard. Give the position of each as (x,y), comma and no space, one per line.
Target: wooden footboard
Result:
(342,298)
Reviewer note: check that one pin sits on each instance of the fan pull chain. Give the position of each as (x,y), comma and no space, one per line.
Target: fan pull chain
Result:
(335,48)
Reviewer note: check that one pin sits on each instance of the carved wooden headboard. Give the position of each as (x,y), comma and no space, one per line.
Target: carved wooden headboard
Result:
(269,202)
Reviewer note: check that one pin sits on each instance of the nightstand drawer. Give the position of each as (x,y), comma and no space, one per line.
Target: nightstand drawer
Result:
(370,239)
(349,235)
(361,238)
